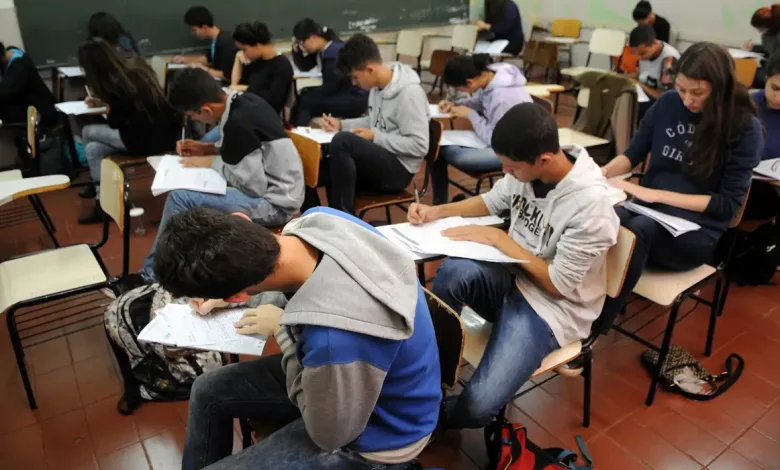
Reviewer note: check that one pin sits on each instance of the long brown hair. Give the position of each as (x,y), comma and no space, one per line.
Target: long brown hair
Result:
(767,18)
(727,112)
(109,75)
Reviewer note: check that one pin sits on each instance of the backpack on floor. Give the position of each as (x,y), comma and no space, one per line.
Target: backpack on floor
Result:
(150,371)
(756,256)
(515,452)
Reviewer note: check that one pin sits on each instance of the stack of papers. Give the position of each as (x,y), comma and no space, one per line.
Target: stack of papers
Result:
(674,225)
(171,175)
(492,48)
(468,139)
(317,135)
(78,108)
(427,241)
(180,326)
(769,168)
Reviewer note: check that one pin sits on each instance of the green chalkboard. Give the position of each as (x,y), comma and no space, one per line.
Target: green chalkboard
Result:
(53,30)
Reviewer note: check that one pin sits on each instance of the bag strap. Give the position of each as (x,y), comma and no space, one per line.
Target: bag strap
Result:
(729,377)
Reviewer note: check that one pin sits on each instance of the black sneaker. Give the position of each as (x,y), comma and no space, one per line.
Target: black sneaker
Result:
(96,216)
(573,368)
(130,282)
(89,192)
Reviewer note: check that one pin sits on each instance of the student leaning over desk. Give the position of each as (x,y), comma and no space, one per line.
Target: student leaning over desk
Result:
(222,51)
(704,140)
(104,26)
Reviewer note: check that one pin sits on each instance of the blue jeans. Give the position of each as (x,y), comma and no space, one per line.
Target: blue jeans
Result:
(462,158)
(518,343)
(233,201)
(257,390)
(212,136)
(100,141)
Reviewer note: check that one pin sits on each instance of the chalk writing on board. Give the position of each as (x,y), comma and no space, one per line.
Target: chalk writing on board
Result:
(366,25)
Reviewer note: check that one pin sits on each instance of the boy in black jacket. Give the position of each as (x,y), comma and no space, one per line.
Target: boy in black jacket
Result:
(21,87)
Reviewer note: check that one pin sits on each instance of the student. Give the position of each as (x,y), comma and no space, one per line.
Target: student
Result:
(657,61)
(384,150)
(104,26)
(562,223)
(140,121)
(357,385)
(503,21)
(764,201)
(319,46)
(495,88)
(704,140)
(255,155)
(223,50)
(767,21)
(268,74)
(21,86)
(643,15)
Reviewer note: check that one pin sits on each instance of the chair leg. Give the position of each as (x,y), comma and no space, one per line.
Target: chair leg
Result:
(43,216)
(435,82)
(421,273)
(19,353)
(717,300)
(724,295)
(246,433)
(387,215)
(587,374)
(667,342)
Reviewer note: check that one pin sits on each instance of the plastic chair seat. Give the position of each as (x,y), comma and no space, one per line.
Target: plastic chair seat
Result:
(577,71)
(662,287)
(46,273)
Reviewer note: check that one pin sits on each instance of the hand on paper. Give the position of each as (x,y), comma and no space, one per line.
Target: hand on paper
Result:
(263,320)
(204,306)
(179,59)
(490,236)
(190,148)
(92,102)
(445,106)
(420,213)
(748,46)
(482,26)
(638,192)
(460,111)
(330,124)
(367,134)
(197,162)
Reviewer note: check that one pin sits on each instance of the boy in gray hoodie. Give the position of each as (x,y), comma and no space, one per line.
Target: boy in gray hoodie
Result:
(562,223)
(384,150)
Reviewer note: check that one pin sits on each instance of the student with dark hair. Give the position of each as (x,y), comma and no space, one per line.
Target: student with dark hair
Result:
(503,21)
(643,14)
(704,140)
(384,150)
(254,154)
(223,50)
(319,46)
(357,384)
(22,86)
(562,223)
(140,121)
(494,89)
(767,21)
(657,61)
(104,26)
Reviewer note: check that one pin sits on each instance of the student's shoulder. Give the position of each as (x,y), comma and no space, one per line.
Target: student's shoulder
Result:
(282,63)
(323,345)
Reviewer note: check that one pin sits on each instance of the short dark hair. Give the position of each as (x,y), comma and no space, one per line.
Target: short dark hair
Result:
(464,67)
(307,27)
(192,88)
(642,35)
(199,16)
(252,33)
(772,65)
(358,52)
(642,10)
(525,132)
(214,255)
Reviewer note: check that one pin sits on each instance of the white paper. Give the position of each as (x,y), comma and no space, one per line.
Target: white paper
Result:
(674,225)
(173,66)
(743,54)
(317,135)
(769,168)
(641,95)
(468,139)
(70,71)
(172,175)
(436,114)
(78,108)
(492,48)
(309,74)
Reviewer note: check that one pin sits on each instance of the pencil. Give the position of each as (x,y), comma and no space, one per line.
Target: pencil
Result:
(416,193)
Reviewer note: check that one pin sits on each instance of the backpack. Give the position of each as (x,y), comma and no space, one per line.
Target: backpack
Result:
(756,255)
(515,452)
(151,371)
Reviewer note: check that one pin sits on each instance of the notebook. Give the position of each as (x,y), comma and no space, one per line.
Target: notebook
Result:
(172,175)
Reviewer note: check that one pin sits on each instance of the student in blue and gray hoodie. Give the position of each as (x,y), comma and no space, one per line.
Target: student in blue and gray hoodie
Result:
(704,140)
(357,385)
(495,89)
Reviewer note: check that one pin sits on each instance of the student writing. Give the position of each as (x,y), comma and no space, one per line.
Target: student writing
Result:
(657,61)
(494,89)
(104,26)
(643,14)
(222,51)
(767,21)
(503,21)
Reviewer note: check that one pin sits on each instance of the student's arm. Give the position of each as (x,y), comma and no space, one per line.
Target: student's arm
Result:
(482,126)
(191,59)
(363,122)
(413,125)
(474,102)
(304,63)
(653,93)
(238,71)
(15,79)
(241,157)
(504,27)
(637,150)
(331,77)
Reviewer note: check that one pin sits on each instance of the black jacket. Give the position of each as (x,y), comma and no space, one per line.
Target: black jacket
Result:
(22,86)
(270,80)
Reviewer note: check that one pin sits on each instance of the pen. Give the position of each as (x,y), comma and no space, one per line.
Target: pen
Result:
(182,135)
(88,93)
(416,193)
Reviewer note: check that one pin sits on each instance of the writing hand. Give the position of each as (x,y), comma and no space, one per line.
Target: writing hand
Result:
(204,306)
(263,320)
(190,148)
(445,106)
(197,162)
(421,213)
(330,124)
(460,111)
(648,195)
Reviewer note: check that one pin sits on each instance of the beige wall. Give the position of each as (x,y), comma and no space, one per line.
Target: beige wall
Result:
(9,26)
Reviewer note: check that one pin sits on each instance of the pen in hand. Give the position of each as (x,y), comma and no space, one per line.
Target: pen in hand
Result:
(416,194)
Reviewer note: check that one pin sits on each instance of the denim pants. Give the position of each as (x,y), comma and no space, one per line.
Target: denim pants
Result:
(518,343)
(462,158)
(100,141)
(256,390)
(234,200)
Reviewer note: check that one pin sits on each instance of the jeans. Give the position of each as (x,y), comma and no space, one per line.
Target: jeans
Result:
(356,163)
(462,158)
(518,343)
(100,141)
(257,390)
(312,102)
(233,201)
(212,136)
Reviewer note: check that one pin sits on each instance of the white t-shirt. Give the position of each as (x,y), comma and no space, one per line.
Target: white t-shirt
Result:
(652,72)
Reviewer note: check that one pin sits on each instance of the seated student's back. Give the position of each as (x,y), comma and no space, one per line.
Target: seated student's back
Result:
(21,86)
(104,26)
(644,14)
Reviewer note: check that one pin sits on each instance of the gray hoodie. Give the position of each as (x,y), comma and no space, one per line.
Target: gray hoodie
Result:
(491,103)
(399,116)
(571,228)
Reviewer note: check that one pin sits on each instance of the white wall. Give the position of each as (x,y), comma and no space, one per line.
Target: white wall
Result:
(9,26)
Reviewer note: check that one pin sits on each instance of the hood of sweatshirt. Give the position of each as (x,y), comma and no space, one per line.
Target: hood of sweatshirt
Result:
(507,76)
(403,76)
(363,283)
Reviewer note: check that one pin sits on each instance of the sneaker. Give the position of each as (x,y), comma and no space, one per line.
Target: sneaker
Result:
(130,282)
(573,368)
(89,192)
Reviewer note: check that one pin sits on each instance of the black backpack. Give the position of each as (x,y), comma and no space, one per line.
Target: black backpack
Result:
(756,255)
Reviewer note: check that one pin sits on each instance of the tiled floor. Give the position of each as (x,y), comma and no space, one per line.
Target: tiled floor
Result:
(78,427)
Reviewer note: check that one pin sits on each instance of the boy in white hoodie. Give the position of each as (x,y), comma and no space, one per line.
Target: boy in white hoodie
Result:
(382,151)
(562,223)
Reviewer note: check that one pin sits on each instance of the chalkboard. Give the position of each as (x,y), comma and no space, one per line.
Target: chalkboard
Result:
(53,30)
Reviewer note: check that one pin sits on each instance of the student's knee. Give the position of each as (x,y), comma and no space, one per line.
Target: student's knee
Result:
(342,141)
(205,389)
(455,276)
(641,226)
(89,132)
(181,199)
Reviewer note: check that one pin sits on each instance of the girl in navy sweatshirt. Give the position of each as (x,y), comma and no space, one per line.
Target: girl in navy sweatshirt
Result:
(503,20)
(704,139)
(319,46)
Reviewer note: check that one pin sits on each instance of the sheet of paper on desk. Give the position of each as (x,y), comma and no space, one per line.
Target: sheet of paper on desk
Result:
(743,54)
(468,139)
(436,114)
(78,108)
(172,175)
(492,48)
(641,95)
(769,168)
(308,74)
(674,225)
(317,135)
(71,71)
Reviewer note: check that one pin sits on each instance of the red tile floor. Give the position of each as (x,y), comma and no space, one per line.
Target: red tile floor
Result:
(77,386)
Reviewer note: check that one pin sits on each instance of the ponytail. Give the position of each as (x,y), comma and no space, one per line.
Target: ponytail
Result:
(307,27)
(461,68)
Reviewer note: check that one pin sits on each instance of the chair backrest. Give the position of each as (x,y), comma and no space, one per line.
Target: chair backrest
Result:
(435,131)
(745,70)
(741,212)
(543,103)
(160,67)
(439,59)
(566,27)
(409,43)
(450,338)
(618,258)
(32,131)
(113,192)
(464,36)
(609,42)
(311,154)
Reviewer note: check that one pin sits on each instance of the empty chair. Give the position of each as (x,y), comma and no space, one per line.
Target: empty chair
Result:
(606,42)
(410,44)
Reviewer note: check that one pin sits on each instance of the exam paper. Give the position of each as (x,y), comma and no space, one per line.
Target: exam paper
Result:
(468,139)
(674,225)
(78,108)
(172,175)
(492,48)
(318,135)
(436,114)
(769,168)
(641,95)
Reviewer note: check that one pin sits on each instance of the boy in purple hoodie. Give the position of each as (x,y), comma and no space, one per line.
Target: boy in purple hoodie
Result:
(495,89)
